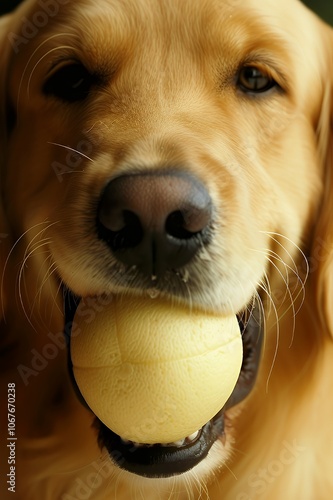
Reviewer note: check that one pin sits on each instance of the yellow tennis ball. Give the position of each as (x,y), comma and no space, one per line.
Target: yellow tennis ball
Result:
(155,372)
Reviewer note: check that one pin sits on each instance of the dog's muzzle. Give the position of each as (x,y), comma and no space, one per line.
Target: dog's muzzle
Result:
(156,222)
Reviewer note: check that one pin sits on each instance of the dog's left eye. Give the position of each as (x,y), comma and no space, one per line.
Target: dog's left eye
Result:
(254,80)
(70,83)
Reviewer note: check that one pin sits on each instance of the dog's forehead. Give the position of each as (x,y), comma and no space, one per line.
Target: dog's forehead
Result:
(189,19)
(110,25)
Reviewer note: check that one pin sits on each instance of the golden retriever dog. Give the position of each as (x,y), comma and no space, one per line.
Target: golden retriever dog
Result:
(179,148)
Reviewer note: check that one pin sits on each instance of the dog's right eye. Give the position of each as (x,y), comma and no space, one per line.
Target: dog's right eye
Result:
(70,83)
(254,80)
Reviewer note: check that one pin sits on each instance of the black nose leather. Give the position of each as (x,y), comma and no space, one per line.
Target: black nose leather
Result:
(155,221)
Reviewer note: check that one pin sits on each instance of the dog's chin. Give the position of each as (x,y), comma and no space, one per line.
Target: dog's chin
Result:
(173,459)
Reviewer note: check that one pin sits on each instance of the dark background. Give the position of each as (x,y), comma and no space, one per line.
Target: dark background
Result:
(6,5)
(323,7)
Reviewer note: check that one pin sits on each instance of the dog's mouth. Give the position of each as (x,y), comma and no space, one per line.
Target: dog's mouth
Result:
(166,460)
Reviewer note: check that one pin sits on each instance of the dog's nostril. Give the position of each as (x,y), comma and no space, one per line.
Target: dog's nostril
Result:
(123,228)
(185,224)
(175,226)
(156,220)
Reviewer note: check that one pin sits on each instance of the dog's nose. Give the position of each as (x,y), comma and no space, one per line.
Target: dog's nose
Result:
(155,221)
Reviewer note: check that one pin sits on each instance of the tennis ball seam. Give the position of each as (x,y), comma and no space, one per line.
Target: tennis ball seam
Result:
(160,360)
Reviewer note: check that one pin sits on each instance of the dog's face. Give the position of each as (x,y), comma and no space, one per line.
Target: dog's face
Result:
(190,123)
(144,87)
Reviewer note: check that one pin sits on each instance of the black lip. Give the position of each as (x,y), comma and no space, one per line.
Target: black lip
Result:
(158,460)
(252,335)
(165,461)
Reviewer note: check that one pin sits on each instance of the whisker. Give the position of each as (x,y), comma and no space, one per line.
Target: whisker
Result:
(21,280)
(31,57)
(100,123)
(52,269)
(285,279)
(36,244)
(72,149)
(292,307)
(40,60)
(17,242)
(267,286)
(288,293)
(271,234)
(277,339)
(301,280)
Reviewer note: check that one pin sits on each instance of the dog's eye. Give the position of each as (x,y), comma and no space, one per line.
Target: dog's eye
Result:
(253,80)
(70,83)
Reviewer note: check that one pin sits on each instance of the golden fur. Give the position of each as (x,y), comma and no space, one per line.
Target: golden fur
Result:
(170,98)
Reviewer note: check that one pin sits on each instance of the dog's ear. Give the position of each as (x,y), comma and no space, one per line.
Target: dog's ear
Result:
(5,237)
(321,259)
(10,40)
(5,54)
